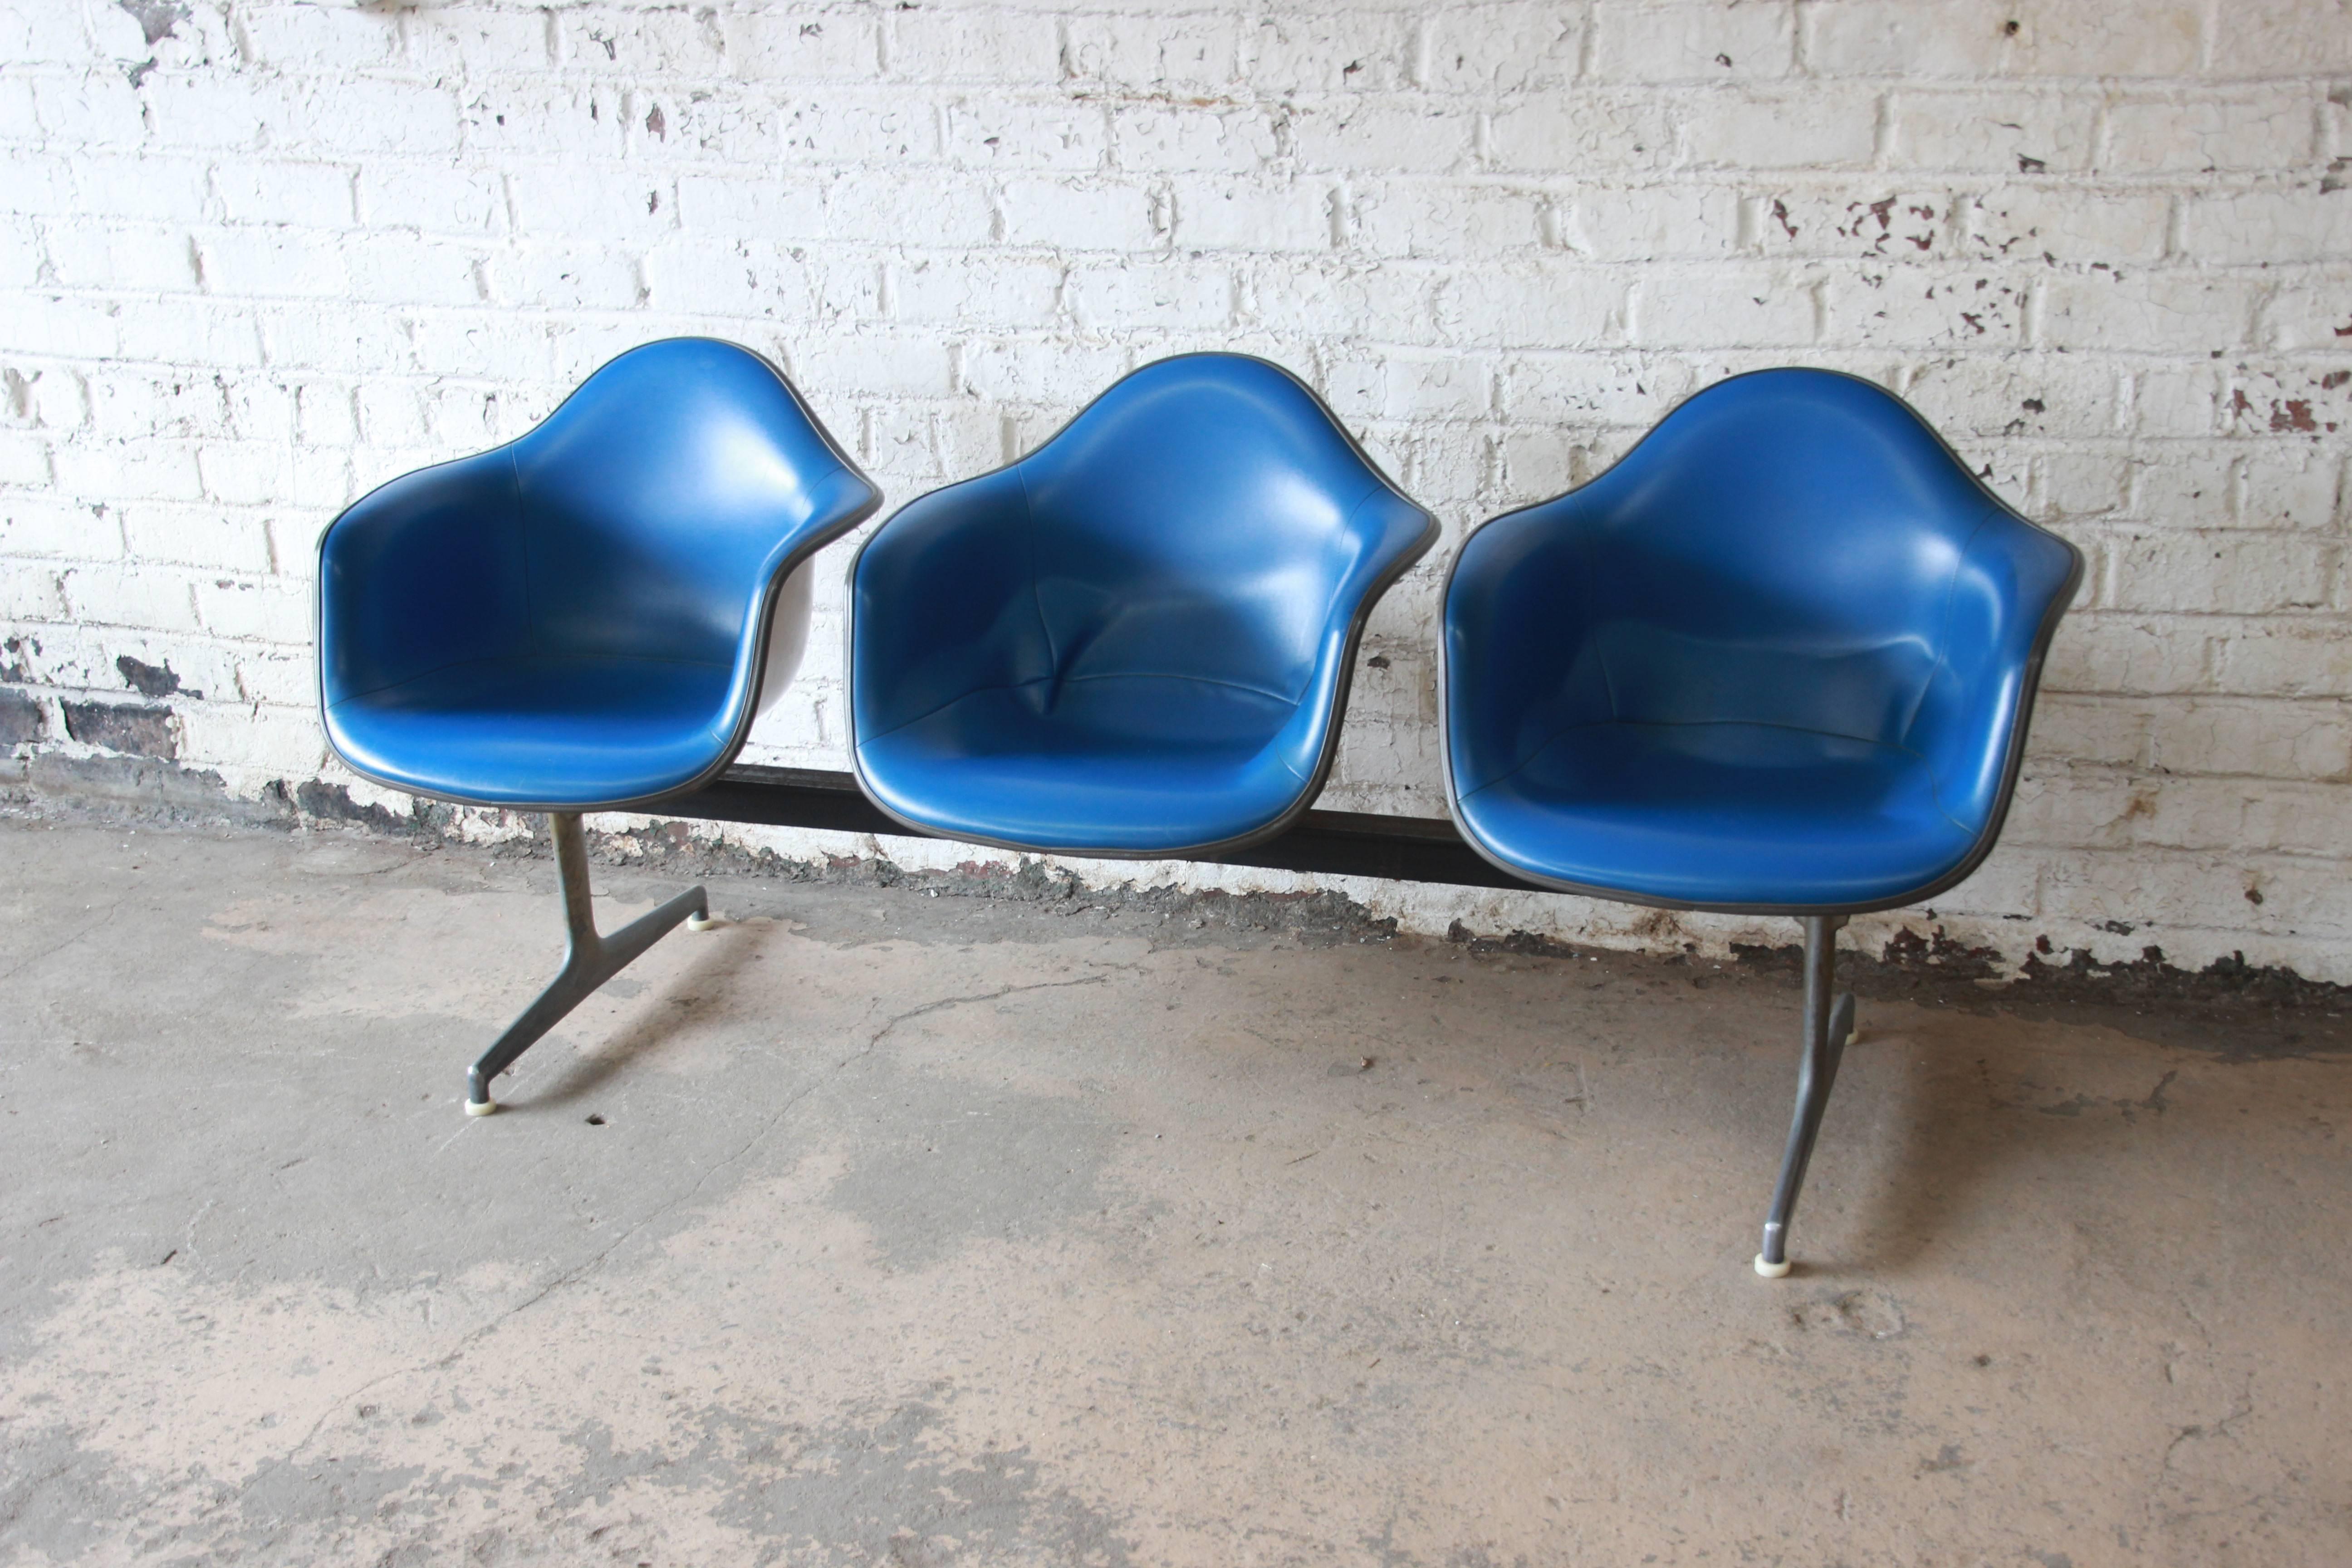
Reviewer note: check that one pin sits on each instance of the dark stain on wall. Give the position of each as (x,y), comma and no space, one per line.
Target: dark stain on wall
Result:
(139,728)
(21,717)
(156,18)
(147,679)
(327,801)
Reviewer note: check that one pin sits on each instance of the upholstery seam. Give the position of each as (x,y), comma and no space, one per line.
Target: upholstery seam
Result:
(942,706)
(462,663)
(1196,679)
(1048,679)
(1568,730)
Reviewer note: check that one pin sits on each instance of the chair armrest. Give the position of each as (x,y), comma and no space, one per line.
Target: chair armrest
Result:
(944,604)
(1390,533)
(419,574)
(765,667)
(2012,582)
(1522,664)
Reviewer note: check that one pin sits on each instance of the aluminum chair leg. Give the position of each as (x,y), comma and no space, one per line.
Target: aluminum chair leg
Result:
(590,961)
(1829,1028)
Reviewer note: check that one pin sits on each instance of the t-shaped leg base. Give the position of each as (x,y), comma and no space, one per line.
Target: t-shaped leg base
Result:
(1828,1027)
(590,961)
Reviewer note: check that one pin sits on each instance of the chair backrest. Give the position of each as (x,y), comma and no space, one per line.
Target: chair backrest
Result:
(1204,517)
(654,495)
(1782,549)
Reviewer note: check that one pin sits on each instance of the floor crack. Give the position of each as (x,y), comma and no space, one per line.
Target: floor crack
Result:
(22,965)
(2221,1429)
(589,1265)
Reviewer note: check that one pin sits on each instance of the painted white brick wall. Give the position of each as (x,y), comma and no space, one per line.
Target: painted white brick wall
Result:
(256,257)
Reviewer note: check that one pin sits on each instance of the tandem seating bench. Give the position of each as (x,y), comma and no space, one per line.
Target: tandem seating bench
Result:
(1778,659)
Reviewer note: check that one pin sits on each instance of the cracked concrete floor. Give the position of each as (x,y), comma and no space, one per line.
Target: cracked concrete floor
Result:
(884,1228)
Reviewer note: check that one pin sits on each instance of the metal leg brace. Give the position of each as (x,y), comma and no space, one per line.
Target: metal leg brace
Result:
(1828,1027)
(590,961)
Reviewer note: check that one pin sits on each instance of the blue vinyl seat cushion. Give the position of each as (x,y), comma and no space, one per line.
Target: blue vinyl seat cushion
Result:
(1079,774)
(1722,813)
(592,614)
(1135,640)
(1779,657)
(626,729)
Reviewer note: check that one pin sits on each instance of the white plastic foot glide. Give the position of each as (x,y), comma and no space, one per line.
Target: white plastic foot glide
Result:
(1773,1271)
(480,1107)
(701,922)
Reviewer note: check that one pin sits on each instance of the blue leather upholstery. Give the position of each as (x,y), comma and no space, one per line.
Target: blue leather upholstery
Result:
(1137,639)
(583,618)
(1778,659)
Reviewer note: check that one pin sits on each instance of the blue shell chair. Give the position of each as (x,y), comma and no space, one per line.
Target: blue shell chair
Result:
(1135,640)
(587,618)
(1778,660)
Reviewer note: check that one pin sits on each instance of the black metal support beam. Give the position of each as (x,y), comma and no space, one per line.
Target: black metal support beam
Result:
(1350,844)
(1334,843)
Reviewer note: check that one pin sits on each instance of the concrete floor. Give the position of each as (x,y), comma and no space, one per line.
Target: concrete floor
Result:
(880,1227)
